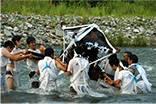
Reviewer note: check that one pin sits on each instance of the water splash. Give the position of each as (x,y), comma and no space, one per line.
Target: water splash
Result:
(148,68)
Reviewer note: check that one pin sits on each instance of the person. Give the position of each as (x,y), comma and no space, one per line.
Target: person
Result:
(16,65)
(143,85)
(126,55)
(32,62)
(124,79)
(78,68)
(5,55)
(108,70)
(49,69)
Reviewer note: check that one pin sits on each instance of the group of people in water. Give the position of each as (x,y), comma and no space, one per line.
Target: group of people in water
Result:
(127,75)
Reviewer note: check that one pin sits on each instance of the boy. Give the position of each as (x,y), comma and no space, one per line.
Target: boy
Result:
(6,56)
(143,85)
(124,79)
(49,69)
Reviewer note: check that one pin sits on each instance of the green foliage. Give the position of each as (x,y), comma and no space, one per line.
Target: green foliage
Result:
(139,41)
(81,7)
(121,40)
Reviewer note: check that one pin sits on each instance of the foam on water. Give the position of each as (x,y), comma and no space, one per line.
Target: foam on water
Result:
(154,49)
(148,68)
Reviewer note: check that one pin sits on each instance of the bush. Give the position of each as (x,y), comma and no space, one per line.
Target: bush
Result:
(139,41)
(122,41)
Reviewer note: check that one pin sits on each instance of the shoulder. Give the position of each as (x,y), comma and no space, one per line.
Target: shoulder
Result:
(4,52)
(40,61)
(122,72)
(126,72)
(73,60)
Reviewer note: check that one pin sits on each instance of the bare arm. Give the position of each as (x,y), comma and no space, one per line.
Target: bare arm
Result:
(117,83)
(111,82)
(14,57)
(69,69)
(60,64)
(24,51)
(108,80)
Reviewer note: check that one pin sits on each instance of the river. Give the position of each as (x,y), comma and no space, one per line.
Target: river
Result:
(147,58)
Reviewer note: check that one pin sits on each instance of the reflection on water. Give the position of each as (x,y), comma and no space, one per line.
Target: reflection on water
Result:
(147,58)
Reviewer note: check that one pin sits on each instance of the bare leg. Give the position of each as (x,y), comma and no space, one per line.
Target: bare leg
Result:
(10,83)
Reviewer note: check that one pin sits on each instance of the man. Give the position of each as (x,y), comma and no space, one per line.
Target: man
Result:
(126,55)
(32,63)
(5,55)
(49,69)
(143,85)
(78,71)
(124,79)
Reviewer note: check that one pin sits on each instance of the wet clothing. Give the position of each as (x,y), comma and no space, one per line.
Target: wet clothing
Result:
(128,84)
(3,63)
(107,68)
(79,79)
(48,73)
(141,78)
(4,60)
(17,68)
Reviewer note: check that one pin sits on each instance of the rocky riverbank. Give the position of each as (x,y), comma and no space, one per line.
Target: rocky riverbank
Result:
(45,28)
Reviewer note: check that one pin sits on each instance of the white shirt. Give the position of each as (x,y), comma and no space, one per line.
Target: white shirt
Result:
(79,79)
(76,65)
(127,82)
(32,65)
(48,72)
(17,64)
(108,68)
(3,61)
(143,84)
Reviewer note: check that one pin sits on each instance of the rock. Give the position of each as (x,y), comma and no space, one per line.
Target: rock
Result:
(128,28)
(24,34)
(106,31)
(16,28)
(1,35)
(29,25)
(8,27)
(136,30)
(141,29)
(48,28)
(7,33)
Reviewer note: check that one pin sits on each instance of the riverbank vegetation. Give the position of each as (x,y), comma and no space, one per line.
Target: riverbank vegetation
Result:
(122,41)
(92,8)
(81,7)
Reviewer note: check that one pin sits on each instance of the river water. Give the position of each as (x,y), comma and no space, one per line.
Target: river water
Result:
(147,58)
